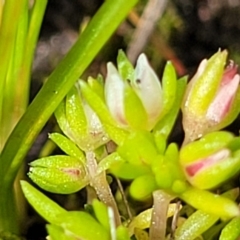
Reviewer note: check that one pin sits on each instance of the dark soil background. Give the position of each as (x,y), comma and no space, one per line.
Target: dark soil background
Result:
(195,30)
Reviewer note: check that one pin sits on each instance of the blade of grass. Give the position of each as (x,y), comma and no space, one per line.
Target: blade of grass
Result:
(8,32)
(104,23)
(13,105)
(23,85)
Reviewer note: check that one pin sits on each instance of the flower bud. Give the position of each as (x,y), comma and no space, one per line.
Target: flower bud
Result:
(212,97)
(211,160)
(135,102)
(79,122)
(59,174)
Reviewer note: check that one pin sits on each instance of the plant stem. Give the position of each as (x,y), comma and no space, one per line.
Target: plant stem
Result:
(99,182)
(161,202)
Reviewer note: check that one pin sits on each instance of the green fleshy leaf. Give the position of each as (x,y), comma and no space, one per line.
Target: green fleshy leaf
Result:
(129,171)
(125,67)
(83,226)
(204,147)
(205,87)
(169,85)
(172,160)
(232,230)
(122,233)
(109,161)
(134,110)
(165,125)
(179,186)
(133,153)
(118,135)
(163,174)
(214,231)
(101,213)
(48,209)
(59,174)
(60,114)
(172,152)
(234,145)
(210,203)
(166,168)
(200,221)
(58,233)
(67,146)
(97,86)
(96,103)
(195,225)
(142,187)
(75,113)
(160,142)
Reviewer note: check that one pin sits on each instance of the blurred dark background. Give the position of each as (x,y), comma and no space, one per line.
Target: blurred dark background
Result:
(187,32)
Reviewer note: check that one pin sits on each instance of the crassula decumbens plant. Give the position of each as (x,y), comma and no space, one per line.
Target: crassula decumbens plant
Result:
(121,125)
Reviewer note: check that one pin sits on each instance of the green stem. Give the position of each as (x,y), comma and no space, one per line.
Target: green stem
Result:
(104,23)
(99,182)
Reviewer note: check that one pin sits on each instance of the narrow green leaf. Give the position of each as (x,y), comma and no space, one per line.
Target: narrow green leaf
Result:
(200,221)
(58,233)
(232,230)
(166,124)
(134,110)
(169,85)
(48,209)
(75,114)
(210,203)
(125,67)
(83,226)
(122,233)
(129,171)
(97,86)
(101,213)
(67,146)
(195,225)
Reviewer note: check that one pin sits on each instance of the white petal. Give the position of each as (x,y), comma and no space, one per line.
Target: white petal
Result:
(223,100)
(148,88)
(114,94)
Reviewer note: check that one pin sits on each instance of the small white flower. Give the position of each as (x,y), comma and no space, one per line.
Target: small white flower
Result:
(146,85)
